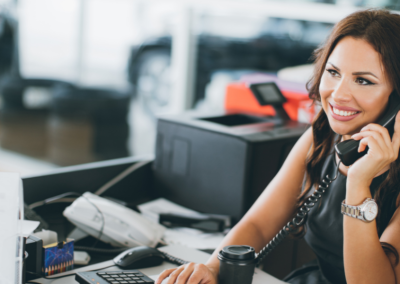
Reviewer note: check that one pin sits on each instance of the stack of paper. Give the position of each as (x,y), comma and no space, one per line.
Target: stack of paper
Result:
(188,237)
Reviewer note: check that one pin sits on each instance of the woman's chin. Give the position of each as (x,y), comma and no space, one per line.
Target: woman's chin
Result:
(344,130)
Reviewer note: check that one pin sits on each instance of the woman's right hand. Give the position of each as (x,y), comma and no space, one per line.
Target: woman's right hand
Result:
(191,273)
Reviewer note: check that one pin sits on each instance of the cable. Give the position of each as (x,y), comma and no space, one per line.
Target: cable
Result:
(100,250)
(103,221)
(174,260)
(300,217)
(101,190)
(53,199)
(121,176)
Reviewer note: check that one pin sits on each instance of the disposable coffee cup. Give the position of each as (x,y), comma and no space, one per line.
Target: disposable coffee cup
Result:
(237,264)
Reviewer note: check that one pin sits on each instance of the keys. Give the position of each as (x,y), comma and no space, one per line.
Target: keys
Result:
(124,277)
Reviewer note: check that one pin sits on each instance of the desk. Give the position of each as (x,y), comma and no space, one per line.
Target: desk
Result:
(90,177)
(260,277)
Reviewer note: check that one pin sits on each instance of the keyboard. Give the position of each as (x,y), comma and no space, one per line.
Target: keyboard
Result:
(113,277)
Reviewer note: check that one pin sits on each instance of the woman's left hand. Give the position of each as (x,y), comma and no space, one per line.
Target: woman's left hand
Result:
(381,153)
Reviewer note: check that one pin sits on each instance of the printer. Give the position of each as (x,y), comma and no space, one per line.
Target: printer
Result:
(220,163)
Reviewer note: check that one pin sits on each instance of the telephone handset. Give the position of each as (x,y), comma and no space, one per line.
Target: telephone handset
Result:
(348,149)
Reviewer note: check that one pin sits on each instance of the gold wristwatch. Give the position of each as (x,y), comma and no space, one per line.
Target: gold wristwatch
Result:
(366,212)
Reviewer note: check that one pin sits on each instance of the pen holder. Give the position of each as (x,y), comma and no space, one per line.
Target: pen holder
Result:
(58,257)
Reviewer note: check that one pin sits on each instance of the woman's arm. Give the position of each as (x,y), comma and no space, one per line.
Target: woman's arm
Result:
(365,261)
(266,217)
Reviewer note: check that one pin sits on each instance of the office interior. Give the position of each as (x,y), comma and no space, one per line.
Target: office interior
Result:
(130,98)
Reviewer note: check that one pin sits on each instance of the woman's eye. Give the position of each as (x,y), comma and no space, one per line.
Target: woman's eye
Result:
(333,72)
(363,81)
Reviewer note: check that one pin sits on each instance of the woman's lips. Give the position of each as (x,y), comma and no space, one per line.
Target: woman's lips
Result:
(342,118)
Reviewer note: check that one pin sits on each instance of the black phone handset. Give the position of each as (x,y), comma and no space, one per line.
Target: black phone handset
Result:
(348,149)
(237,263)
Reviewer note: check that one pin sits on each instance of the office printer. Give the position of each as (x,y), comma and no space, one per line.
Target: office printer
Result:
(221,163)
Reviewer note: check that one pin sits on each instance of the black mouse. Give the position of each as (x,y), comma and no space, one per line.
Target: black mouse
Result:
(139,257)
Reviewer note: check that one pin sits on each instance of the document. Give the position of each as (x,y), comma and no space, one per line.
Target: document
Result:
(153,209)
(187,237)
(11,210)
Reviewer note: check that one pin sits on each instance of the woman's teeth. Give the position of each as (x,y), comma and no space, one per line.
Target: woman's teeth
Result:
(343,113)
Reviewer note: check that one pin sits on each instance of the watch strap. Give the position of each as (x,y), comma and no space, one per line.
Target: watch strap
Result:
(352,211)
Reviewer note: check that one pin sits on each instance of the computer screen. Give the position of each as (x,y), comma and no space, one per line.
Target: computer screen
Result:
(268,93)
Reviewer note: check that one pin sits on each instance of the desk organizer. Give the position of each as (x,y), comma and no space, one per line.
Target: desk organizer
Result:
(58,257)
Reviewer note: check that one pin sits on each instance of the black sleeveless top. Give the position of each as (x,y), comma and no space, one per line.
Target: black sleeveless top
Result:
(324,226)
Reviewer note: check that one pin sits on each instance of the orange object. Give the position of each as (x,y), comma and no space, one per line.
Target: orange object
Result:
(239,98)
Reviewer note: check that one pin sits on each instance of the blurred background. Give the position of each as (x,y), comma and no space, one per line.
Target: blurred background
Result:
(84,80)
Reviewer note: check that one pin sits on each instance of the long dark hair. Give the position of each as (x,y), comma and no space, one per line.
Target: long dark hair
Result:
(380,29)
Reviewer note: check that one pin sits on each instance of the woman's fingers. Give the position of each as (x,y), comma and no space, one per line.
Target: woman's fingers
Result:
(196,278)
(188,274)
(378,129)
(164,275)
(371,142)
(185,274)
(396,135)
(174,275)
(380,141)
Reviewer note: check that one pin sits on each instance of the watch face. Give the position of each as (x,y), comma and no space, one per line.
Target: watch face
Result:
(370,211)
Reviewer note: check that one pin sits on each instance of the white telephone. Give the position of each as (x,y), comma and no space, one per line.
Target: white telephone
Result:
(123,227)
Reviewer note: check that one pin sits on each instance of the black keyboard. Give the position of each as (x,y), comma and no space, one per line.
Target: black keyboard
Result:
(113,277)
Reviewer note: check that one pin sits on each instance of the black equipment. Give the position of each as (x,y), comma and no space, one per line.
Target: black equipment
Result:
(34,262)
(220,164)
(205,222)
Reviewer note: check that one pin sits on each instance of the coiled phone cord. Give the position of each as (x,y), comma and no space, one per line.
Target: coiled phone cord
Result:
(174,260)
(300,217)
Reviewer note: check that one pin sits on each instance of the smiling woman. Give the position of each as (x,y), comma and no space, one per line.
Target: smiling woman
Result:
(354,88)
(356,71)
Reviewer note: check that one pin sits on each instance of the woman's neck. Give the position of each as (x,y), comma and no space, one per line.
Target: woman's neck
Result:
(346,137)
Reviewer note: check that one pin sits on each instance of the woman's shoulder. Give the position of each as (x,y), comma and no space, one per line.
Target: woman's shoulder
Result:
(305,141)
(300,150)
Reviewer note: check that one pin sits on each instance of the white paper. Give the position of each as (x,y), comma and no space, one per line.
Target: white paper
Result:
(192,238)
(188,237)
(28,227)
(11,212)
(48,237)
(153,209)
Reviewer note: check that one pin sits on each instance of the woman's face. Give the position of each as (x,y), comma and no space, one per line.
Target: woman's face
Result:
(354,89)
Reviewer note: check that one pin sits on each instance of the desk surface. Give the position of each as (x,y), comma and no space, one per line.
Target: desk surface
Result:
(189,254)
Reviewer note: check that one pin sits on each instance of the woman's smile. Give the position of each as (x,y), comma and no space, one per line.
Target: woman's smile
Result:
(343,113)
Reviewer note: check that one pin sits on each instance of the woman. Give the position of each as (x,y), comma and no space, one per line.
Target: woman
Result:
(356,71)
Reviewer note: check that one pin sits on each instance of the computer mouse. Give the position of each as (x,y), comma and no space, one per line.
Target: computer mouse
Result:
(139,257)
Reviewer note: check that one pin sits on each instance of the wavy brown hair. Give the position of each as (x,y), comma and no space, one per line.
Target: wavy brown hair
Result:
(381,30)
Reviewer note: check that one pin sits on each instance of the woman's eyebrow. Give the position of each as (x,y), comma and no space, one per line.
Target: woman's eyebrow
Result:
(356,73)
(365,73)
(337,68)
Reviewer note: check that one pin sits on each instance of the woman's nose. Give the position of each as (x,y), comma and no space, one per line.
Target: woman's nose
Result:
(342,92)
